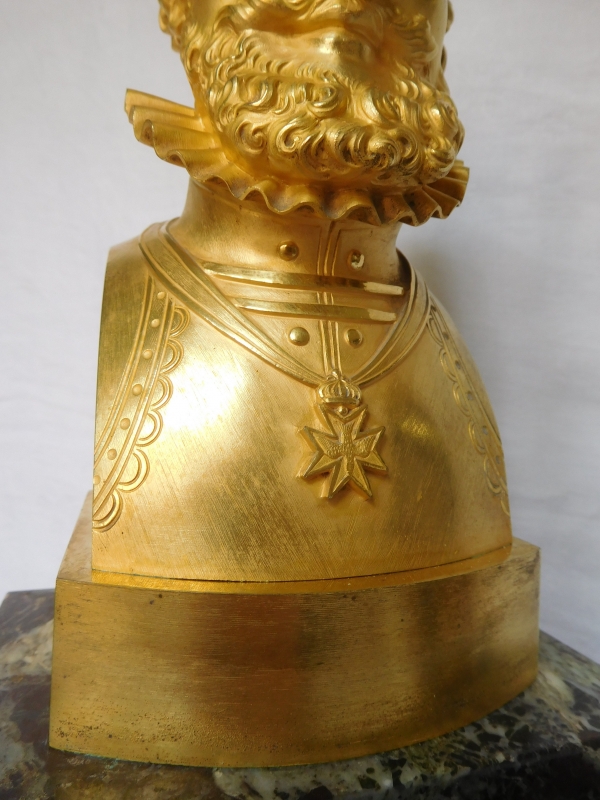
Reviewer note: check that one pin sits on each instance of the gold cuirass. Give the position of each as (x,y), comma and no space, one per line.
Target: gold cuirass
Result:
(214,346)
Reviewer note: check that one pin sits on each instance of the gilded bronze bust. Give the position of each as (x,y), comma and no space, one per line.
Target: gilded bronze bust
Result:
(285,411)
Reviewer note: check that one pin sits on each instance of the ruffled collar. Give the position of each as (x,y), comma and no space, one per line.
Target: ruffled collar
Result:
(180,136)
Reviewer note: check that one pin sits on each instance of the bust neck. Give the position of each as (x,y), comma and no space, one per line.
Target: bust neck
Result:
(216,227)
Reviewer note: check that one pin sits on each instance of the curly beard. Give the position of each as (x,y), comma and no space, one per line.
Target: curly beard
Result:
(303,121)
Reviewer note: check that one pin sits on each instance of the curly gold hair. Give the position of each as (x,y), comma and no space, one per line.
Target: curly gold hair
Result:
(174,19)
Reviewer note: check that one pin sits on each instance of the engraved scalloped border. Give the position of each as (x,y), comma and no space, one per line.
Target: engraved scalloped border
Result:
(482,431)
(108,502)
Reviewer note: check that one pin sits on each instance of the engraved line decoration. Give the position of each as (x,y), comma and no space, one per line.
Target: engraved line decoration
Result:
(482,430)
(135,422)
(132,363)
(187,281)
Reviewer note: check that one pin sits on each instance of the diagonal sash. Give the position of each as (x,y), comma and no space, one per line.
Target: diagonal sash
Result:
(187,281)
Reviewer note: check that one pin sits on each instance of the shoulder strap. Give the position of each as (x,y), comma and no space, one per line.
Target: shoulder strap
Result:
(403,336)
(187,281)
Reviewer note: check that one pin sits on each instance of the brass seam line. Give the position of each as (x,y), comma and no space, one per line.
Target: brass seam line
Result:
(384,580)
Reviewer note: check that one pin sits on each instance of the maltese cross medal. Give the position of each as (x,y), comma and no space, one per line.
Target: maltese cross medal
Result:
(344,451)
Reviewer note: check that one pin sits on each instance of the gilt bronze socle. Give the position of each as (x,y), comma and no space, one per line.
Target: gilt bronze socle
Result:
(299,546)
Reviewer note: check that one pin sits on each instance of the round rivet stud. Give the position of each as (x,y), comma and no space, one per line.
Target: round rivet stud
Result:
(289,251)
(147,354)
(356,259)
(155,323)
(137,389)
(112,454)
(299,336)
(161,295)
(125,423)
(354,337)
(97,480)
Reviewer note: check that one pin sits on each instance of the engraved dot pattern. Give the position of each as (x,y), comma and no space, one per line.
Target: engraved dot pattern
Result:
(155,353)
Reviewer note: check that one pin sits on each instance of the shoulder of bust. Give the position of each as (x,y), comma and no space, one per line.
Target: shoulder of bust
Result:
(124,289)
(126,271)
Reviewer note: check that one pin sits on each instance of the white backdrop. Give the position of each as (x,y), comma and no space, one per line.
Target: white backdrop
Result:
(517,266)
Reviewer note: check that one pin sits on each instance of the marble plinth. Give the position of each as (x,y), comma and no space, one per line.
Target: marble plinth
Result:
(544,745)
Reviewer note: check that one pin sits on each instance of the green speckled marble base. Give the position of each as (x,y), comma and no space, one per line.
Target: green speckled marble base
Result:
(544,745)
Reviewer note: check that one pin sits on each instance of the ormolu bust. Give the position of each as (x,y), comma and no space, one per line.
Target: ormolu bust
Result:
(301,541)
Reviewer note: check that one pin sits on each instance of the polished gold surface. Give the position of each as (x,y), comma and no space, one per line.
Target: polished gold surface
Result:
(239,674)
(300,546)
